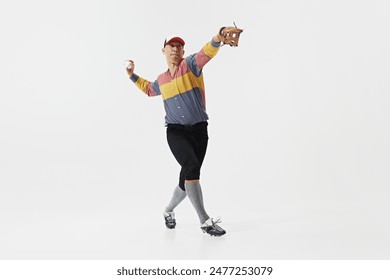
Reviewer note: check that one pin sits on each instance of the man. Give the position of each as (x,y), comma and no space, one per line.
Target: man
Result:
(183,93)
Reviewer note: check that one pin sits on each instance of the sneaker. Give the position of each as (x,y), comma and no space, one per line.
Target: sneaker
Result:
(170,221)
(212,228)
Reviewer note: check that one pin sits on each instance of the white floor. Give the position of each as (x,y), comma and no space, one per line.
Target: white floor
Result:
(114,229)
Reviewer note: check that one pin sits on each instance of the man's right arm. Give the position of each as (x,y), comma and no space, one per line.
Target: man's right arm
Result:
(151,89)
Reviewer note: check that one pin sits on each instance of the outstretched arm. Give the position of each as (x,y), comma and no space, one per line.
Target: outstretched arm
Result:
(198,60)
(227,35)
(151,89)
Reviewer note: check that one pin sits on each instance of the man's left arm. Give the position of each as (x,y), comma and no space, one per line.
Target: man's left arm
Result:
(198,60)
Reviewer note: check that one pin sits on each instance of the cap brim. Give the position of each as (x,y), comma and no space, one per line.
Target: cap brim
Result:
(174,39)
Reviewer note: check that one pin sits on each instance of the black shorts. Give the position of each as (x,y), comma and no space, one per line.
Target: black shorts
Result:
(188,144)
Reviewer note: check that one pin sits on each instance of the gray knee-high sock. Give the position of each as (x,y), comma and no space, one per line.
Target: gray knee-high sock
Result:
(177,197)
(194,192)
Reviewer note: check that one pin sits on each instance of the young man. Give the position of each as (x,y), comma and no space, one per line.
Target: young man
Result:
(183,93)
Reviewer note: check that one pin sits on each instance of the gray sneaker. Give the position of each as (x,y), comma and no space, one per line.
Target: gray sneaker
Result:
(210,226)
(170,221)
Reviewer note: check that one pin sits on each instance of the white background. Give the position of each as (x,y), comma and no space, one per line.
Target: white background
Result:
(298,157)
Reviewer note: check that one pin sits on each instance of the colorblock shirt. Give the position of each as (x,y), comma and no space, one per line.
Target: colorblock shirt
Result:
(183,92)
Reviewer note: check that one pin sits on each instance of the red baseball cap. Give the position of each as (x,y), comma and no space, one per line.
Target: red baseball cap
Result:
(172,39)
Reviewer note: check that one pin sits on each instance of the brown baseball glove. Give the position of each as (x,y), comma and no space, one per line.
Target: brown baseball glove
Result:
(230,35)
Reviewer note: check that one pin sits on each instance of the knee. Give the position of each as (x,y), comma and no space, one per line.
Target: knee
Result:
(192,171)
(190,182)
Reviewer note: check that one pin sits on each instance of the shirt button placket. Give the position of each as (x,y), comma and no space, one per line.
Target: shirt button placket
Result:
(178,105)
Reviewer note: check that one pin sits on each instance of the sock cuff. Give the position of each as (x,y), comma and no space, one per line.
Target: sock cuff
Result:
(192,184)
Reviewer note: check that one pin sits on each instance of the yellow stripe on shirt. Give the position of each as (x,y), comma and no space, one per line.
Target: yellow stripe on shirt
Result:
(209,50)
(182,84)
(142,84)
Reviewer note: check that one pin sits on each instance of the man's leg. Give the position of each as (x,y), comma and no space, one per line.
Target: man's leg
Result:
(189,151)
(208,225)
(178,196)
(184,148)
(199,139)
(194,192)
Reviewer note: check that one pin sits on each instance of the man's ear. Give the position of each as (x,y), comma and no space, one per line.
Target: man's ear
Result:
(163,50)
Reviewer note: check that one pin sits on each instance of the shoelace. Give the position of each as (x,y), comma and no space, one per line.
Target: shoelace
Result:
(169,215)
(217,221)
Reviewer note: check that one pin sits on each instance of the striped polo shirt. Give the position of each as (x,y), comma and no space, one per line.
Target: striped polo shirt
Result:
(184,92)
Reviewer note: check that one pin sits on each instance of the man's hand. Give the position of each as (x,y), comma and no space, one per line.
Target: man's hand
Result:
(130,67)
(229,35)
(217,39)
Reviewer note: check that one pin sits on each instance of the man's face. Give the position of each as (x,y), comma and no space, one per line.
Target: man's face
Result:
(173,52)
